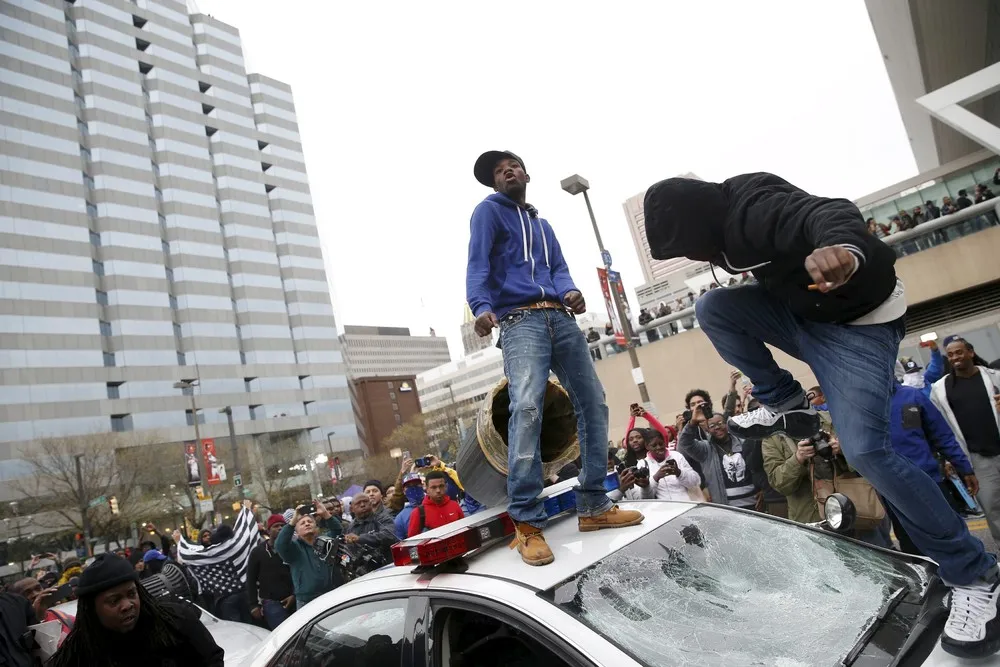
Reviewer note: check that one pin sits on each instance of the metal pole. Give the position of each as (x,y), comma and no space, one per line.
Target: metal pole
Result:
(199,448)
(620,307)
(329,445)
(236,450)
(83,505)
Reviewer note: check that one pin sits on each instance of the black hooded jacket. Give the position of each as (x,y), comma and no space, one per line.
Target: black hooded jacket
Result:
(764,224)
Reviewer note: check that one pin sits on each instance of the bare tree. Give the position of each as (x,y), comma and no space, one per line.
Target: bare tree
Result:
(275,470)
(58,495)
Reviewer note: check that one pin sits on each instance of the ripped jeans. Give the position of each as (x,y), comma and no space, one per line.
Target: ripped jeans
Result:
(535,342)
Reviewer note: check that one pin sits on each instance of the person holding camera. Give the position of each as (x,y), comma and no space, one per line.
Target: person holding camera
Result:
(371,528)
(311,576)
(270,589)
(664,474)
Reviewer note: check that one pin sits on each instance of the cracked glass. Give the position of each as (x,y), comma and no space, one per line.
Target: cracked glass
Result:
(718,587)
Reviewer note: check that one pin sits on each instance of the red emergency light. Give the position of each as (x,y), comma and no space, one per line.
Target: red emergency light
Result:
(437,550)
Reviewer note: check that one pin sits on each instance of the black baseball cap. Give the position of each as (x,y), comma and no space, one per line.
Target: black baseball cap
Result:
(910,365)
(485,163)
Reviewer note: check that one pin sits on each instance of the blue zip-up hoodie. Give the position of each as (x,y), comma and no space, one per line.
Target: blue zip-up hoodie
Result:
(514,258)
(917,428)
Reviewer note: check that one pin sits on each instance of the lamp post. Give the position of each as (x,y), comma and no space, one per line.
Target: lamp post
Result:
(199,451)
(84,519)
(575,185)
(228,411)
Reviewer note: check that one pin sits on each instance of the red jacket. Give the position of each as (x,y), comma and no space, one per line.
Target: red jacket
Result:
(435,515)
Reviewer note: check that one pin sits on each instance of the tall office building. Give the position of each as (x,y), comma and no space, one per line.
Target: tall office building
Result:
(391,351)
(156,228)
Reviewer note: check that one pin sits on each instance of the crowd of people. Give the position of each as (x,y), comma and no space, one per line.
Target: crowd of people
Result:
(698,458)
(258,570)
(909,219)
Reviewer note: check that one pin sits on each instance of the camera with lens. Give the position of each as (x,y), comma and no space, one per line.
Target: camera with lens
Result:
(423,462)
(704,409)
(353,561)
(639,473)
(821,442)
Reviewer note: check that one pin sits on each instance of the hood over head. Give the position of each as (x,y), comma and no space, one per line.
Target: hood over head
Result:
(685,217)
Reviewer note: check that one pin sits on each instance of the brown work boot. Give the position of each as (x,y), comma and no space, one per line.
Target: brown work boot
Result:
(613,518)
(531,544)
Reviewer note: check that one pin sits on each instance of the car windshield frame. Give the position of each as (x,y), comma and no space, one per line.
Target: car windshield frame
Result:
(688,593)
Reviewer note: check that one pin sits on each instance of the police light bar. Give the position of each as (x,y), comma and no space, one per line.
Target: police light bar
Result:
(472,537)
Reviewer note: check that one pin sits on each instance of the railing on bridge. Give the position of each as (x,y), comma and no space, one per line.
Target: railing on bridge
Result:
(927,235)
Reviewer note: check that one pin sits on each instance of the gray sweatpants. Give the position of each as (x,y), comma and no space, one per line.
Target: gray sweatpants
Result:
(987,469)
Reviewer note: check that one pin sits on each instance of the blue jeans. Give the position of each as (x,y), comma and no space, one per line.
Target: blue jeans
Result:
(854,365)
(533,343)
(274,613)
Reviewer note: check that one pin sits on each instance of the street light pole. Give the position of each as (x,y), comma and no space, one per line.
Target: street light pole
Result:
(198,448)
(575,185)
(84,519)
(228,410)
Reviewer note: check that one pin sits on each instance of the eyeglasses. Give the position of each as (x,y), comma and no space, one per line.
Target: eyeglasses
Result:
(712,426)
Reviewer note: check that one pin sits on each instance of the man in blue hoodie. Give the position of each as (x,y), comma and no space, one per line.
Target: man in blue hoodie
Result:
(916,430)
(517,280)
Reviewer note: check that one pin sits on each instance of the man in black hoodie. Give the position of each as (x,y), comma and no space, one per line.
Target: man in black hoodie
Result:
(826,293)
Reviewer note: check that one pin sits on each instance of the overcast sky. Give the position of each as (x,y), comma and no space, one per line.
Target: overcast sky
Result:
(395,101)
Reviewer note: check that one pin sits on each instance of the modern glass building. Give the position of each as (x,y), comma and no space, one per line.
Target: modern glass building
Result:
(156,228)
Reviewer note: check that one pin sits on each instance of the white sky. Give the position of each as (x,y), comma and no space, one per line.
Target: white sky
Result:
(395,101)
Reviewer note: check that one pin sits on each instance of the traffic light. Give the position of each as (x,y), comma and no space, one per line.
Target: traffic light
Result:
(113,502)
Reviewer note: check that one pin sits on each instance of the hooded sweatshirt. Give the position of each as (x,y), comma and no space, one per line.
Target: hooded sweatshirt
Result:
(514,258)
(764,224)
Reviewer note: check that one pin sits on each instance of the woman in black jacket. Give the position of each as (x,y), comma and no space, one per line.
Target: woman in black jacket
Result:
(119,623)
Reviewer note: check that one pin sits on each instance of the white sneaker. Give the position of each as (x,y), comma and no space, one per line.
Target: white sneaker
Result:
(798,424)
(973,629)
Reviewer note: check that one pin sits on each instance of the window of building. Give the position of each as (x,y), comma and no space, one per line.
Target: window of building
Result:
(181,359)
(209,131)
(389,384)
(121,423)
(173,301)
(203,87)
(95,239)
(141,44)
(109,359)
(145,68)
(170,273)
(392,396)
(88,182)
(165,247)
(114,389)
(399,420)
(395,406)
(98,267)
(91,210)
(177,330)
(105,328)
(138,21)
(189,417)
(207,108)
(102,298)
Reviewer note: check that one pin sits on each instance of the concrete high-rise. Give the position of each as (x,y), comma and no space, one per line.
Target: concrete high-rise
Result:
(156,226)
(389,351)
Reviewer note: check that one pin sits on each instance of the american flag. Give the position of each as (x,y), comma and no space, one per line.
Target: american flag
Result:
(222,568)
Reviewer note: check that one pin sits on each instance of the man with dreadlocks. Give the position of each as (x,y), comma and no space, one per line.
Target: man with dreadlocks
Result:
(119,623)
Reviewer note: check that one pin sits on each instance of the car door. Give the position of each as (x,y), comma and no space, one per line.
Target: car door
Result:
(375,631)
(487,631)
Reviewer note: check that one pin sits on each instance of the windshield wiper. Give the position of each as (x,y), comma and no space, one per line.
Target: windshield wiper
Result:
(883,613)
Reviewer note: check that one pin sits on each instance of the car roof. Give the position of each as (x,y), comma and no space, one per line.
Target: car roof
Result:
(573,550)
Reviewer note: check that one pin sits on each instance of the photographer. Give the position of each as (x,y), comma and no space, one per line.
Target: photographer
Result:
(790,467)
(667,475)
(370,528)
(311,577)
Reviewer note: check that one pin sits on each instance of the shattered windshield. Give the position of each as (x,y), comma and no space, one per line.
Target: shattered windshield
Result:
(717,587)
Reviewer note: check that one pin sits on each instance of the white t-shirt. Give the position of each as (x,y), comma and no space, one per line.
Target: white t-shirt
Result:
(670,487)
